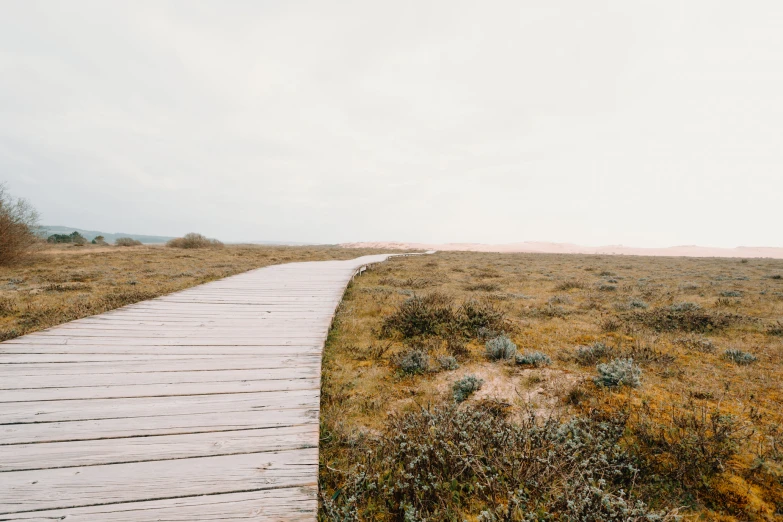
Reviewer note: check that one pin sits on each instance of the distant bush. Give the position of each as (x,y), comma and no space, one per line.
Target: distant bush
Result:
(689,317)
(482,287)
(699,344)
(571,284)
(589,355)
(193,240)
(500,347)
(465,387)
(413,362)
(99,240)
(448,362)
(127,242)
(739,357)
(18,228)
(685,307)
(638,303)
(559,299)
(775,329)
(731,293)
(536,359)
(618,372)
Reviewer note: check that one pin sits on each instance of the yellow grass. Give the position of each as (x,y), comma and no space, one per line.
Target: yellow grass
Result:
(361,386)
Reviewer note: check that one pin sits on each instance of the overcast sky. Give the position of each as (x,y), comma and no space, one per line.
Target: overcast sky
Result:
(645,123)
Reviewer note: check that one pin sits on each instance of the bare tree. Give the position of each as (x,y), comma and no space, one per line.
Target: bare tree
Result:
(18,227)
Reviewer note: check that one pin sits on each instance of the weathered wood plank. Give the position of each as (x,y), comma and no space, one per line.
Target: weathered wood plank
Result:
(166,447)
(22,491)
(270,505)
(175,375)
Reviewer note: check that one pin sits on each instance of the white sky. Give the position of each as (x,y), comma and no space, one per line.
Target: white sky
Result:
(646,123)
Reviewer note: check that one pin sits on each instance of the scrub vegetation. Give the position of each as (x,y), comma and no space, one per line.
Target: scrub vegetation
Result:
(577,388)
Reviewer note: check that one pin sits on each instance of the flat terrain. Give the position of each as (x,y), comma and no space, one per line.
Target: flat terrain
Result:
(62,283)
(700,436)
(199,405)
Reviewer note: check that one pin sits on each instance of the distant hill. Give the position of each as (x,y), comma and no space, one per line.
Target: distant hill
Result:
(47,230)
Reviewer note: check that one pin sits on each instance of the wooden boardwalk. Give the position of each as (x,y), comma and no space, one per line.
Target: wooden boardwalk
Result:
(200,405)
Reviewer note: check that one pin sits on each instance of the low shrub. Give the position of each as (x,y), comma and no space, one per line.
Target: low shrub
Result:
(571,284)
(590,355)
(775,329)
(618,372)
(499,348)
(444,463)
(127,242)
(413,362)
(432,314)
(699,344)
(482,287)
(559,299)
(448,362)
(690,444)
(688,317)
(435,315)
(536,359)
(638,303)
(194,240)
(731,293)
(465,387)
(739,357)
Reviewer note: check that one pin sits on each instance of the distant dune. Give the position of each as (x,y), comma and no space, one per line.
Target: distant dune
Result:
(568,248)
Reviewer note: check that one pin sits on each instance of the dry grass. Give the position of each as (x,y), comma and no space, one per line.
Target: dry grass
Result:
(703,431)
(63,283)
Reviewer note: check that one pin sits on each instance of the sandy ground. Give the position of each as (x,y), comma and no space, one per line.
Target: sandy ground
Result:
(567,248)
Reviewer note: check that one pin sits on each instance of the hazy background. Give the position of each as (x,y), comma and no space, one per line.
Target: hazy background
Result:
(644,123)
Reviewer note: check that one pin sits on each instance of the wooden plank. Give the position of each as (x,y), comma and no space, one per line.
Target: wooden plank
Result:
(19,374)
(176,375)
(156,480)
(157,390)
(126,428)
(270,505)
(23,457)
(134,407)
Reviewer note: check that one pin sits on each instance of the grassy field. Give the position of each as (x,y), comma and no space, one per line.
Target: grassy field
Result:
(62,283)
(551,434)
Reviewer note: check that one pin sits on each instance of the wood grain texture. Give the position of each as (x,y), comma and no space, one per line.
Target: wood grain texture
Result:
(200,405)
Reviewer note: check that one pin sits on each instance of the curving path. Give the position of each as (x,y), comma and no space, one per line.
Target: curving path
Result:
(200,405)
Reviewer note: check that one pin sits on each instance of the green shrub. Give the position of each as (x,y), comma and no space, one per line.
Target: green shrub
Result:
(465,387)
(448,362)
(688,317)
(739,357)
(536,359)
(618,372)
(432,314)
(731,293)
(589,355)
(500,347)
(689,445)
(439,464)
(413,362)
